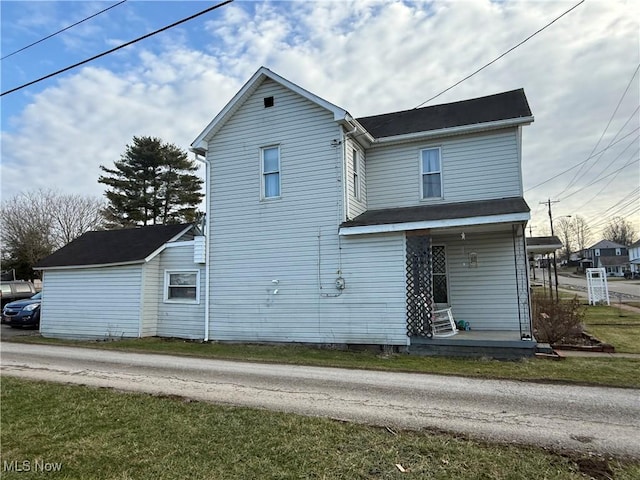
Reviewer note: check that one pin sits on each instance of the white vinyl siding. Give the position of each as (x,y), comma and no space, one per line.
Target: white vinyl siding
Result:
(151,293)
(92,303)
(180,320)
(484,295)
(274,264)
(481,166)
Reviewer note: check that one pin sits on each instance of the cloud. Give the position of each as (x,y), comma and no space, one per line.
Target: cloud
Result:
(367,57)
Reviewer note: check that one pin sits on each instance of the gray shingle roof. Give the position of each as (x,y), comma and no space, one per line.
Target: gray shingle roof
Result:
(501,106)
(422,213)
(113,246)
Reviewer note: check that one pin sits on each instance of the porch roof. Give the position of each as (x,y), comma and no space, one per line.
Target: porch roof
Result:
(543,244)
(503,210)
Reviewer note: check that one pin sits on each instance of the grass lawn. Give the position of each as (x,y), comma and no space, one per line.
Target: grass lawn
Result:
(614,325)
(99,433)
(619,372)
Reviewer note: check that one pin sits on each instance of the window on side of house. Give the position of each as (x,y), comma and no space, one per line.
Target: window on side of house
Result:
(439,274)
(430,173)
(597,252)
(618,252)
(181,286)
(355,159)
(270,168)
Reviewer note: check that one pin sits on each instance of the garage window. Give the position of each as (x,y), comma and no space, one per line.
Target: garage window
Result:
(182,286)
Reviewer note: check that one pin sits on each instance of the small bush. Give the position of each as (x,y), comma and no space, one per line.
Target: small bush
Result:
(557,321)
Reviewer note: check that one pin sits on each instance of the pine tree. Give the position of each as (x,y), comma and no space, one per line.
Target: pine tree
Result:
(152,183)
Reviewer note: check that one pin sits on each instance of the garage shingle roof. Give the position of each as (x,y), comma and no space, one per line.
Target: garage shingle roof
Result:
(492,108)
(113,246)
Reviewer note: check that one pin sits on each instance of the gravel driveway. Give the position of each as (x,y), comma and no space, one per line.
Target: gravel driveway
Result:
(603,420)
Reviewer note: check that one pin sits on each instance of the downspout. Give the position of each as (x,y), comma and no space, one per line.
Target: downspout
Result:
(201,152)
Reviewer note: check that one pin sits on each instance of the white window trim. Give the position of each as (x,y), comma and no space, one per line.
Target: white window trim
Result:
(167,274)
(263,196)
(357,179)
(422,197)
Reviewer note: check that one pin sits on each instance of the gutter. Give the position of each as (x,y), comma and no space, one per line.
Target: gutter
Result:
(202,152)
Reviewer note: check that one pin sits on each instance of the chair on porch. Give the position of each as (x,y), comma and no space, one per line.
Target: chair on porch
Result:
(443,324)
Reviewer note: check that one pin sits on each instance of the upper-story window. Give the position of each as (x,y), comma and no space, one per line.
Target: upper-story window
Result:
(355,159)
(618,252)
(431,181)
(597,252)
(270,166)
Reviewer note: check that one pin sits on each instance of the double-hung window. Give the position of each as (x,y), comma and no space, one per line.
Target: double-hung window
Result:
(355,159)
(181,286)
(431,175)
(270,166)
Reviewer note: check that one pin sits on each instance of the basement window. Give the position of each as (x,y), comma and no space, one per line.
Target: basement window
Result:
(268,102)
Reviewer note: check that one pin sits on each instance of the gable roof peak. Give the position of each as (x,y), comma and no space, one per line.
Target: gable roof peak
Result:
(247,90)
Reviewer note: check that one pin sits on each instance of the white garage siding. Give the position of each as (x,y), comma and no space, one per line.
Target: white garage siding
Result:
(150,298)
(91,303)
(181,320)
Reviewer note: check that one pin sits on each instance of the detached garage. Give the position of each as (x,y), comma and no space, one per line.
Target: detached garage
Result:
(138,282)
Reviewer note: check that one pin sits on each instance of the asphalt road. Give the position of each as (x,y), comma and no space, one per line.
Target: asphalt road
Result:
(626,289)
(603,420)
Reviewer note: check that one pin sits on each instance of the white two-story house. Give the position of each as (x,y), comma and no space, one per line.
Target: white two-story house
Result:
(329,229)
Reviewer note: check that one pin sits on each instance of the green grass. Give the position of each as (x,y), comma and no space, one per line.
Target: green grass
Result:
(101,434)
(614,325)
(618,372)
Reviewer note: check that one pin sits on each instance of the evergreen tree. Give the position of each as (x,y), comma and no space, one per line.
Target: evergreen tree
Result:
(152,183)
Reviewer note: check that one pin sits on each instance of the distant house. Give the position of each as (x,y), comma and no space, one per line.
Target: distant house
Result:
(612,256)
(634,256)
(134,282)
(539,249)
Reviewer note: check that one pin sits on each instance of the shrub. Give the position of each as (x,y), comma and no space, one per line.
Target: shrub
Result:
(557,321)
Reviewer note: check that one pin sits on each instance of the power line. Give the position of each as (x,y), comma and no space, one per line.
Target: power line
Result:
(599,177)
(606,128)
(614,209)
(586,160)
(63,30)
(207,10)
(504,54)
(614,173)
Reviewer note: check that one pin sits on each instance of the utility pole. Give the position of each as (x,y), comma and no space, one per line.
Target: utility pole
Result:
(555,268)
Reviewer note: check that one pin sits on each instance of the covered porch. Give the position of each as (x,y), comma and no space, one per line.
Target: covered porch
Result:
(468,259)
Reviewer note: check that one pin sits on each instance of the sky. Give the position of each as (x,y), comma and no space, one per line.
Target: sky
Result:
(580,76)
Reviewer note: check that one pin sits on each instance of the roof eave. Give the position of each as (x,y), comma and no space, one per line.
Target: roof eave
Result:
(96,265)
(433,224)
(450,131)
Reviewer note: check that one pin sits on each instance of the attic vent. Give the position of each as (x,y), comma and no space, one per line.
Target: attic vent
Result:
(268,102)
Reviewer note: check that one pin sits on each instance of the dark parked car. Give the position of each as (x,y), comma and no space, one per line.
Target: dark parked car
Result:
(23,313)
(16,290)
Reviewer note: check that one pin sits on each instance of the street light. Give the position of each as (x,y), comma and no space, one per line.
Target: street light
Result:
(555,267)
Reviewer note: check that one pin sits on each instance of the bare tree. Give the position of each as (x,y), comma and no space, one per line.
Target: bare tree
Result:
(581,231)
(620,230)
(35,223)
(563,228)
